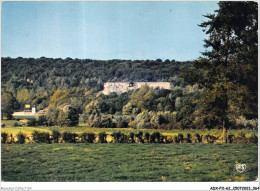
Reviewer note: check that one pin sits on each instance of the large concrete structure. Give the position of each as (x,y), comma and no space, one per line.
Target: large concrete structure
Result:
(120,87)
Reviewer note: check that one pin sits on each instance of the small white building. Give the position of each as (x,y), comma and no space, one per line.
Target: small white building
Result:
(34,109)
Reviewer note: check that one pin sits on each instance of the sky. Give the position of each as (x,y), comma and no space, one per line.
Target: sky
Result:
(104,30)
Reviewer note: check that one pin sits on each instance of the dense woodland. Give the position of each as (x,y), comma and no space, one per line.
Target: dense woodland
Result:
(33,81)
(52,74)
(218,90)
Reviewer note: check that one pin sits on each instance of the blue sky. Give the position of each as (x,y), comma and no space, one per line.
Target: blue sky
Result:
(104,30)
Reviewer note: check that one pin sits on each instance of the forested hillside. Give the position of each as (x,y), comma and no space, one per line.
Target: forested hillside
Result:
(52,74)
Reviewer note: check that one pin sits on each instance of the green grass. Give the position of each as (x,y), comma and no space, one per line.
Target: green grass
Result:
(24,117)
(128,162)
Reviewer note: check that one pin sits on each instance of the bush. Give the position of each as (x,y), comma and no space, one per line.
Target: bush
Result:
(188,139)
(147,137)
(21,138)
(3,137)
(131,137)
(69,137)
(11,138)
(102,137)
(163,139)
(199,138)
(139,137)
(41,137)
(121,122)
(116,137)
(42,120)
(3,125)
(56,135)
(168,126)
(253,139)
(91,137)
(155,137)
(16,124)
(241,137)
(231,138)
(169,140)
(179,138)
(17,119)
(84,137)
(210,138)
(88,137)
(106,123)
(68,116)
(119,137)
(31,122)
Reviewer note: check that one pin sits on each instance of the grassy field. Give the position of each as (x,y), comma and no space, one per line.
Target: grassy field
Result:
(24,117)
(128,162)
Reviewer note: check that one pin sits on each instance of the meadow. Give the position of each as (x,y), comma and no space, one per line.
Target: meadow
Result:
(128,162)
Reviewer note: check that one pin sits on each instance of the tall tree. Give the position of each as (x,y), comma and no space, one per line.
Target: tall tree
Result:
(228,72)
(8,104)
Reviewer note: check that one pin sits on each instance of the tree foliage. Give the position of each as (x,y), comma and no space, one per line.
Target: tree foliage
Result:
(228,72)
(8,104)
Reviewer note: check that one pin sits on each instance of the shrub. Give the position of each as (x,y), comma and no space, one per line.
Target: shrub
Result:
(41,137)
(69,137)
(163,139)
(253,139)
(21,138)
(142,120)
(88,137)
(231,138)
(11,138)
(188,139)
(3,125)
(91,137)
(67,116)
(119,137)
(199,138)
(42,120)
(147,137)
(168,126)
(210,138)
(17,119)
(106,123)
(116,137)
(131,137)
(56,135)
(16,124)
(155,137)
(242,137)
(180,137)
(3,137)
(139,137)
(31,122)
(102,137)
(121,123)
(176,126)
(169,140)
(176,140)
(84,137)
